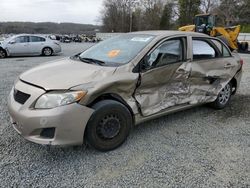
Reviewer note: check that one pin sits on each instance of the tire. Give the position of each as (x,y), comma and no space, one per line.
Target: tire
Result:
(223,98)
(244,46)
(109,125)
(47,51)
(3,53)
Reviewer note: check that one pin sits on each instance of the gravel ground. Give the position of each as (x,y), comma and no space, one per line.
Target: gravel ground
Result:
(199,147)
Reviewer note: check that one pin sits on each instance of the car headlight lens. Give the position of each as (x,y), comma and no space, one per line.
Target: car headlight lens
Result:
(55,99)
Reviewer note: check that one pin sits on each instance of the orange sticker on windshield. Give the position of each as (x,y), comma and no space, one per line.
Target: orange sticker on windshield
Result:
(113,53)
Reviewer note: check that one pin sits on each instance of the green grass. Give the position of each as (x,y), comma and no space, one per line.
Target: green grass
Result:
(245,29)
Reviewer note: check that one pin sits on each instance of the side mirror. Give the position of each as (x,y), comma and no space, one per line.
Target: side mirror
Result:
(12,42)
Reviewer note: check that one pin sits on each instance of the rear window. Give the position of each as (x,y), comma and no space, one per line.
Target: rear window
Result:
(202,50)
(37,39)
(222,48)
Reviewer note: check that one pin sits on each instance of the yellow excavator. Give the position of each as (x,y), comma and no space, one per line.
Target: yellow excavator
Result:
(206,23)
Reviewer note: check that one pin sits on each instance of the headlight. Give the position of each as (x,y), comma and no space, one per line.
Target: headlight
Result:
(55,99)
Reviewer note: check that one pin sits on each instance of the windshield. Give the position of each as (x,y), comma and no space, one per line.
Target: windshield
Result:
(201,20)
(117,50)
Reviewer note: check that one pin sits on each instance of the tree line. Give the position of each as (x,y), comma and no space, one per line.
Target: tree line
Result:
(135,15)
(47,27)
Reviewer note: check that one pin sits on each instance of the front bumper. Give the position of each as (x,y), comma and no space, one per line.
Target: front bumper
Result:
(68,121)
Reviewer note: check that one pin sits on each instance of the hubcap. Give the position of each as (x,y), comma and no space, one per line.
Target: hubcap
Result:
(225,95)
(108,127)
(2,54)
(47,51)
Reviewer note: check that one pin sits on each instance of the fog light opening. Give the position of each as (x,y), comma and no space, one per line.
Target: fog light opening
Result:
(48,132)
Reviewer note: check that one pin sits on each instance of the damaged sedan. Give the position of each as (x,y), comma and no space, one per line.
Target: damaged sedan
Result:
(97,96)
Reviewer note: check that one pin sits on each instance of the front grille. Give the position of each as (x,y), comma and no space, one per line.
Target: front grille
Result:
(20,97)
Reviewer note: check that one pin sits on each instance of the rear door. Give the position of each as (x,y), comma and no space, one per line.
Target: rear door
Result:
(19,46)
(163,77)
(212,68)
(36,44)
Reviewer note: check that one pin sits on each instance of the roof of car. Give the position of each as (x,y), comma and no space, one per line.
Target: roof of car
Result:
(169,33)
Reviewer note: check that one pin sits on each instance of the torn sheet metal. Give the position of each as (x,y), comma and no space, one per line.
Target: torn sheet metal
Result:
(183,84)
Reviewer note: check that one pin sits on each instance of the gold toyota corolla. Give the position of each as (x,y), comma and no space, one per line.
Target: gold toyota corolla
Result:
(98,95)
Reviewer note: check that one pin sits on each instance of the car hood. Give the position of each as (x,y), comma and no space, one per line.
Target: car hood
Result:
(65,74)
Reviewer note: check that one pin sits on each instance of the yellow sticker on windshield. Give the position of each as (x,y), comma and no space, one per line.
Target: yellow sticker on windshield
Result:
(113,53)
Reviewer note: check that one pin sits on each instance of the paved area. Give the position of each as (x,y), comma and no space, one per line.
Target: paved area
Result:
(199,147)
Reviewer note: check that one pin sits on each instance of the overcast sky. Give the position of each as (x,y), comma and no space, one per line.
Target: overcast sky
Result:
(76,11)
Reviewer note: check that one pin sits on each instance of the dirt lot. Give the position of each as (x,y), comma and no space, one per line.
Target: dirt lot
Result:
(199,147)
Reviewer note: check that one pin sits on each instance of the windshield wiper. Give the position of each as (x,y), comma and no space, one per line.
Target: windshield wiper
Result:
(91,60)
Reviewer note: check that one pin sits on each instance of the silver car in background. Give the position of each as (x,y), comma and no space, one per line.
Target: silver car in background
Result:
(25,44)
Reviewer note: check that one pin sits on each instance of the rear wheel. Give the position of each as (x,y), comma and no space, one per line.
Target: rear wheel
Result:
(223,97)
(47,51)
(3,53)
(244,46)
(109,125)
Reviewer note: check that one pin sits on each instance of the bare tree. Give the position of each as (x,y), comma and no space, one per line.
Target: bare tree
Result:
(228,12)
(208,5)
(123,15)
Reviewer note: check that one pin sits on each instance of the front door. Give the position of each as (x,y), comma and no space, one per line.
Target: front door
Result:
(164,77)
(19,46)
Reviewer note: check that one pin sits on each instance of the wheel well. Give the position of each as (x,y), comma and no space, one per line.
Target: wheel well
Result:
(234,85)
(114,97)
(4,50)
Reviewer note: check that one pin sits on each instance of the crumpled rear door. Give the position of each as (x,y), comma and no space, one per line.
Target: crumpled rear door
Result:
(209,74)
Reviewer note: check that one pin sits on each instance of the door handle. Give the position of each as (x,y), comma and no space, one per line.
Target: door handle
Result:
(229,65)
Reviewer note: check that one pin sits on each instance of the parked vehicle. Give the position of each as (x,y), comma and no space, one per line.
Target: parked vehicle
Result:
(77,38)
(25,44)
(97,96)
(55,37)
(66,39)
(245,38)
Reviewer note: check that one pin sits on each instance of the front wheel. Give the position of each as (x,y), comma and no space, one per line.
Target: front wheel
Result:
(3,53)
(223,98)
(109,125)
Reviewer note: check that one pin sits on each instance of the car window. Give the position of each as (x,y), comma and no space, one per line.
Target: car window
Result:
(168,52)
(218,45)
(222,48)
(22,39)
(202,50)
(36,39)
(226,52)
